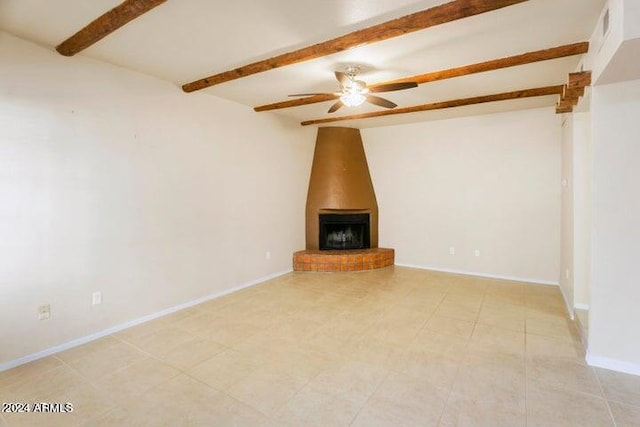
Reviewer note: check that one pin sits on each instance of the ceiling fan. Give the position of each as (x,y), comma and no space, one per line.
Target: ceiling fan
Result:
(354,92)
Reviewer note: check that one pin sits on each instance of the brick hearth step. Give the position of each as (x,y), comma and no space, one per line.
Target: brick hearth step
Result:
(343,260)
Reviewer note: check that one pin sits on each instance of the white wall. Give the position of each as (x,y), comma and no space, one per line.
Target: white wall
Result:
(613,56)
(117,182)
(490,183)
(603,46)
(567,215)
(575,247)
(582,205)
(615,292)
(631,19)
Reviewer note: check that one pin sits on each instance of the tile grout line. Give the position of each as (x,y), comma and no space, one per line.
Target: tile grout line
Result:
(449,393)
(389,371)
(148,356)
(88,382)
(526,378)
(355,417)
(458,367)
(606,399)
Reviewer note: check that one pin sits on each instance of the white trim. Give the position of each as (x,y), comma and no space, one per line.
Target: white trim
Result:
(579,306)
(472,273)
(584,333)
(567,304)
(83,340)
(613,364)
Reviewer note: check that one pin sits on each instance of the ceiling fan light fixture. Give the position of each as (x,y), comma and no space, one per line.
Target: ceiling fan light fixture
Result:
(352,99)
(354,92)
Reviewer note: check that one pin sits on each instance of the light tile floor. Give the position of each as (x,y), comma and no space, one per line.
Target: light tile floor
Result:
(391,347)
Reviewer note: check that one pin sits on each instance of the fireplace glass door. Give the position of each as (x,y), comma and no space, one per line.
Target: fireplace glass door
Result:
(344,231)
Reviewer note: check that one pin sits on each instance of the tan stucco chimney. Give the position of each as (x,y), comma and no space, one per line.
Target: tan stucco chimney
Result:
(340,181)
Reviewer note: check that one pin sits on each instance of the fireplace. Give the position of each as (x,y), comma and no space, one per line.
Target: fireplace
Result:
(340,184)
(344,231)
(341,229)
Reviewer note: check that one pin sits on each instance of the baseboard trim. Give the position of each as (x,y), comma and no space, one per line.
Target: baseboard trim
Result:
(473,273)
(567,305)
(613,364)
(88,338)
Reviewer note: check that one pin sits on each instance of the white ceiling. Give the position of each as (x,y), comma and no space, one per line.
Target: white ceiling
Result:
(184,40)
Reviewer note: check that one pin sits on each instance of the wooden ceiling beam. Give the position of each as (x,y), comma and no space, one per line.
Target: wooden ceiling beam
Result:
(518,94)
(576,92)
(106,24)
(572,91)
(295,102)
(579,79)
(480,67)
(563,103)
(448,12)
(562,110)
(496,64)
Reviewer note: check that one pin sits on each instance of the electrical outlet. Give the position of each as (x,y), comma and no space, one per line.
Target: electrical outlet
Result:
(267,255)
(476,252)
(44,312)
(566,273)
(96,299)
(452,250)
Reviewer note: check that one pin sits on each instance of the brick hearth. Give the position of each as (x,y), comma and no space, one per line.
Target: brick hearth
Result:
(343,260)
